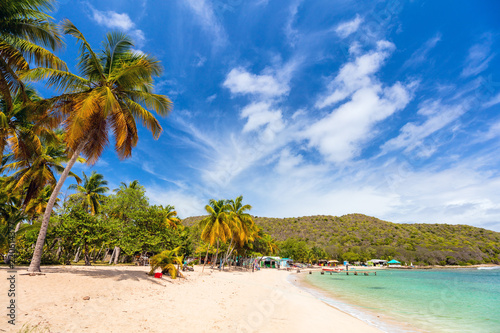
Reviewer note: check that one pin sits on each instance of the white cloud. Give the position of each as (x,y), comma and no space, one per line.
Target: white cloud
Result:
(356,74)
(240,81)
(345,29)
(438,116)
(114,20)
(206,18)
(186,204)
(290,32)
(492,132)
(339,135)
(479,57)
(494,101)
(421,55)
(261,114)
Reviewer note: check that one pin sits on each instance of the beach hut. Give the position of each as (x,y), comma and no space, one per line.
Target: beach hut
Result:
(376,262)
(322,262)
(332,262)
(285,262)
(270,262)
(394,263)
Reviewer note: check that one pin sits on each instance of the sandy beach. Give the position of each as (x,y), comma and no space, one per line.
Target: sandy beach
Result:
(126,299)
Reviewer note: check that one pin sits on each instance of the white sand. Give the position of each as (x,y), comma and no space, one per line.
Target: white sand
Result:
(125,299)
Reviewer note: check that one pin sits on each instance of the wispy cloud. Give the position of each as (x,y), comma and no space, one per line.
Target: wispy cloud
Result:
(345,29)
(421,55)
(479,57)
(438,115)
(204,11)
(356,74)
(493,101)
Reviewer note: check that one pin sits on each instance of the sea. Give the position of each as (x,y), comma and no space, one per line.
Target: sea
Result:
(415,300)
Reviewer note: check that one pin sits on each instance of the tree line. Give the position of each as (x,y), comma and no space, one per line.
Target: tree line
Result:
(41,137)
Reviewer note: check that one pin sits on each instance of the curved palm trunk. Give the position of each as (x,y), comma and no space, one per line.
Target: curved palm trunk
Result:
(37,254)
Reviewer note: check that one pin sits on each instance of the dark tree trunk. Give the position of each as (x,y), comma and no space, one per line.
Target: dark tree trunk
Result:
(87,255)
(37,254)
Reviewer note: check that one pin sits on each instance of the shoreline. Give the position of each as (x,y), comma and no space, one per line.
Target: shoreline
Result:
(126,299)
(375,319)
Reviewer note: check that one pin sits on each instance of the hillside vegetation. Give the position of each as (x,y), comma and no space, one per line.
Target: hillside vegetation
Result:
(357,237)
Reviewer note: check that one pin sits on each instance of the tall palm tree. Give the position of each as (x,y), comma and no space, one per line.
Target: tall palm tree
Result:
(113,91)
(215,227)
(241,224)
(25,33)
(91,193)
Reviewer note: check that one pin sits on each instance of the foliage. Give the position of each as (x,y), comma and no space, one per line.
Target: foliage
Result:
(91,193)
(166,260)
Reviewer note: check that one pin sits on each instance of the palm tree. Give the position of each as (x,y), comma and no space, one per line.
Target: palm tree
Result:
(269,244)
(241,223)
(132,185)
(167,260)
(25,124)
(23,28)
(91,193)
(36,206)
(170,218)
(215,226)
(113,92)
(35,168)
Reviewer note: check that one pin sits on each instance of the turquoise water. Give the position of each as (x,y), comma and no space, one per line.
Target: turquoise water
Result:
(454,300)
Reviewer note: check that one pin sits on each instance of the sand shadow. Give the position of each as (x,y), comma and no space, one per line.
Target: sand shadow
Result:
(116,273)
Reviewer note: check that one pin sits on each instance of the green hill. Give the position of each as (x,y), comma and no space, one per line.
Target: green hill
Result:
(356,237)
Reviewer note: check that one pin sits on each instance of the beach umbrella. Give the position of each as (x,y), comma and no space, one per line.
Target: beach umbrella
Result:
(393,261)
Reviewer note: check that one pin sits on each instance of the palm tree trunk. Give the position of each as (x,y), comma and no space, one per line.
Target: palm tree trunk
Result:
(77,255)
(216,254)
(117,255)
(112,256)
(98,254)
(86,255)
(37,254)
(206,258)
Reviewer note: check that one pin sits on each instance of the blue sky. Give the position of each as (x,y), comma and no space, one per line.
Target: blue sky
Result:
(387,108)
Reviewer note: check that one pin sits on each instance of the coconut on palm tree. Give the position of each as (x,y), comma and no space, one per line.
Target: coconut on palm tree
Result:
(91,193)
(113,91)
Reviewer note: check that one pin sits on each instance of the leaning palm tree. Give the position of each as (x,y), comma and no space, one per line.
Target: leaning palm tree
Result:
(25,34)
(113,91)
(91,193)
(215,226)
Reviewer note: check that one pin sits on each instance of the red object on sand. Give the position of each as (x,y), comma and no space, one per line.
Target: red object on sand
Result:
(158,275)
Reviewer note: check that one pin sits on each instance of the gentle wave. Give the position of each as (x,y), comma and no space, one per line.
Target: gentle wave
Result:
(495,267)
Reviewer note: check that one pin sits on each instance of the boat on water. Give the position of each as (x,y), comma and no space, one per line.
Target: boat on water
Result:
(332,269)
